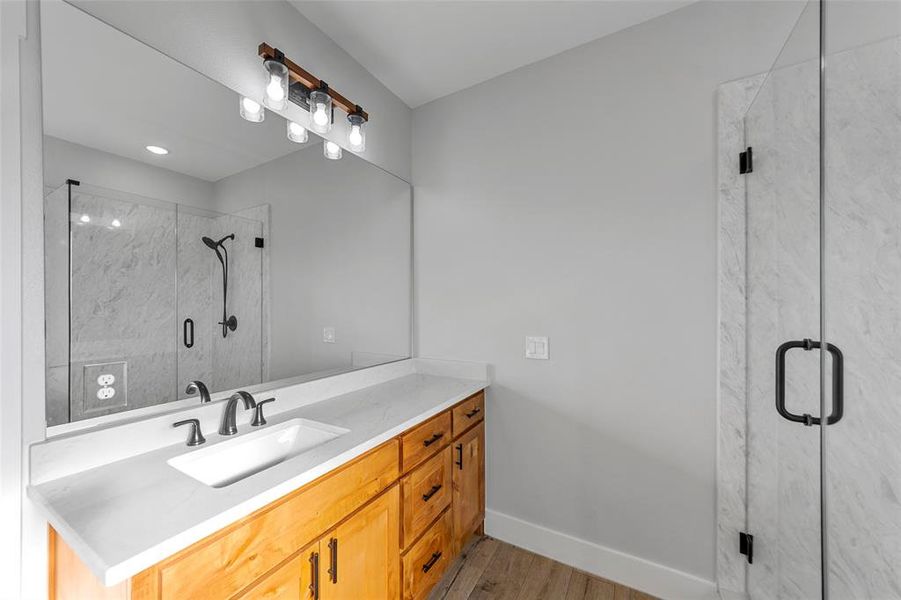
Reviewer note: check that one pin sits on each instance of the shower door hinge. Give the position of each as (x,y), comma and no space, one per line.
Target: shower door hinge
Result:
(746,546)
(746,162)
(258,242)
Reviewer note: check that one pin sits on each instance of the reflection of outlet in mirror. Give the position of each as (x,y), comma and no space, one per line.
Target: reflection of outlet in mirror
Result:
(328,335)
(105,393)
(105,387)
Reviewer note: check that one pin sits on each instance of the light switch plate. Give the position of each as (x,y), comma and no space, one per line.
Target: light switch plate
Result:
(537,347)
(328,335)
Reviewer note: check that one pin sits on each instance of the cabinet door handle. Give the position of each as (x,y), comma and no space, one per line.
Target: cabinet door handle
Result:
(428,495)
(473,412)
(333,559)
(428,566)
(433,439)
(314,575)
(459,461)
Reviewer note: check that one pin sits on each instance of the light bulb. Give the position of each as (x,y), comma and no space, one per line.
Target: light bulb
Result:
(320,111)
(274,90)
(251,110)
(320,116)
(277,86)
(331,150)
(356,137)
(297,133)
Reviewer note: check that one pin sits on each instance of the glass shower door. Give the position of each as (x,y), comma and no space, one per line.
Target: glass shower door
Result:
(783,322)
(862,296)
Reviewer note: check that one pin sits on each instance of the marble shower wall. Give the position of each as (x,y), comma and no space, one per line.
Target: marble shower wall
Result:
(138,270)
(769,277)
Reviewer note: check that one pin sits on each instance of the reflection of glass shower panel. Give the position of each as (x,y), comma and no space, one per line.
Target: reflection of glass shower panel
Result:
(122,303)
(203,353)
(123,273)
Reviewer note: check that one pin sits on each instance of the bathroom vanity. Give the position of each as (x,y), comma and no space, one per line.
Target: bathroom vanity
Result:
(378,511)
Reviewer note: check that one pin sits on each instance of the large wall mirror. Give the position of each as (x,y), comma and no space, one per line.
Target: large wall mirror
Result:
(238,258)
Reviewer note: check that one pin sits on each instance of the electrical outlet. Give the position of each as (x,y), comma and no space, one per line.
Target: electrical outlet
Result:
(537,347)
(328,335)
(105,387)
(105,393)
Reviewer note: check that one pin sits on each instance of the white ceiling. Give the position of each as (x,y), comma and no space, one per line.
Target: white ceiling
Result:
(423,50)
(106,90)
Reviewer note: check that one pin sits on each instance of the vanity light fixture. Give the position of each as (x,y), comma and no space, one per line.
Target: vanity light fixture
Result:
(297,133)
(156,150)
(277,84)
(251,110)
(331,150)
(313,94)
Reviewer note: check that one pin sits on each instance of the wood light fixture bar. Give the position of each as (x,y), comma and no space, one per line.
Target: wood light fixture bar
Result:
(298,74)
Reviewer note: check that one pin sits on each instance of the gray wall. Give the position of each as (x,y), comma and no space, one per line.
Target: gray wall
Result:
(339,256)
(594,224)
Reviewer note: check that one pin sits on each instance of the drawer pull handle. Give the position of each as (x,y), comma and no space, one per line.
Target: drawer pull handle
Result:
(314,575)
(428,566)
(433,439)
(459,461)
(473,412)
(428,495)
(333,559)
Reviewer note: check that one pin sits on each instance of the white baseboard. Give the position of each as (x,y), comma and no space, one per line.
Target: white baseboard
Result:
(629,570)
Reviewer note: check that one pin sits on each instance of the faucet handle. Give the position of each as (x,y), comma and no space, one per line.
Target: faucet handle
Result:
(196,387)
(195,437)
(258,418)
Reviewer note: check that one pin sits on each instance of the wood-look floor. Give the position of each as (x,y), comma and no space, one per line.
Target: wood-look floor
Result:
(488,568)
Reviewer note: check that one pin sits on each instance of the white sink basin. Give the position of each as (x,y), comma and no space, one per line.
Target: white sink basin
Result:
(227,462)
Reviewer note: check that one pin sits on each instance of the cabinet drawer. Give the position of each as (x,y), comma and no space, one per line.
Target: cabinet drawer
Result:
(426,561)
(425,440)
(468,413)
(226,561)
(426,492)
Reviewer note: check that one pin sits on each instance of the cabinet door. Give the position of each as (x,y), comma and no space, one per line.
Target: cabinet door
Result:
(295,580)
(361,557)
(469,484)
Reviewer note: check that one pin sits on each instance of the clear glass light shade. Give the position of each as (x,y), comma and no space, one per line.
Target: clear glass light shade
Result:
(356,137)
(251,110)
(331,150)
(297,133)
(276,85)
(320,111)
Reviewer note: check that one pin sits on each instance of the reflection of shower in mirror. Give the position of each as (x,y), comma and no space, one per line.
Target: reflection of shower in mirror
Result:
(226,322)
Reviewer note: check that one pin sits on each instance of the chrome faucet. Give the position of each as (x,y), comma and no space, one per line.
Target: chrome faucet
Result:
(196,387)
(228,426)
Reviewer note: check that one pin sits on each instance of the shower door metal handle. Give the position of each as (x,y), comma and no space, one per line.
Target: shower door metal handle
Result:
(838,382)
(187,333)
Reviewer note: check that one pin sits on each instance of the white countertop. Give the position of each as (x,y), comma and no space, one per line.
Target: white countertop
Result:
(123,517)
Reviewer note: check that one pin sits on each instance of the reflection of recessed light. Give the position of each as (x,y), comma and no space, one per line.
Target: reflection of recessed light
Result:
(157,150)
(85,219)
(116,223)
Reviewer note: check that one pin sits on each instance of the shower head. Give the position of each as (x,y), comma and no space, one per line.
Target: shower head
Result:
(210,243)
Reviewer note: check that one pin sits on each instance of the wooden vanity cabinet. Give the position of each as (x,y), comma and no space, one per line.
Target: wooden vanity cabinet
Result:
(385,526)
